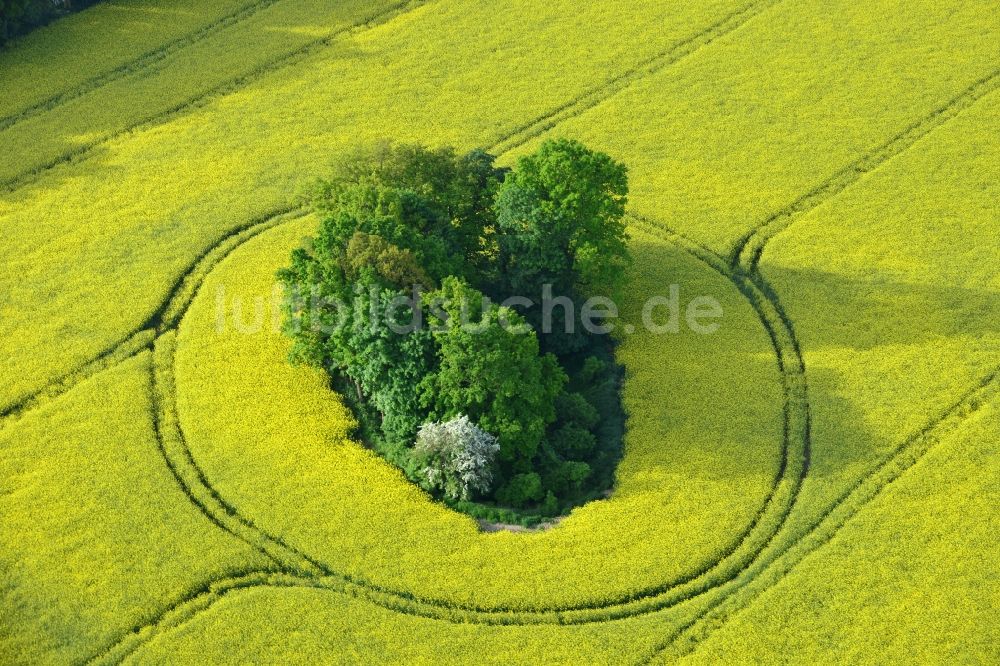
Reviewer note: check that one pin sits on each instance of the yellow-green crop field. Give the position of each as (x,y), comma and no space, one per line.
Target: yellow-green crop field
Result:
(817,481)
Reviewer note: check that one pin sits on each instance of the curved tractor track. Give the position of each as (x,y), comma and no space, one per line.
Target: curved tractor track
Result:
(745,260)
(736,571)
(508,141)
(294,567)
(684,639)
(297,570)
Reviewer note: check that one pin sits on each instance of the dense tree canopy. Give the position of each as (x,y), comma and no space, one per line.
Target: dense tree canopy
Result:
(491,372)
(560,223)
(397,297)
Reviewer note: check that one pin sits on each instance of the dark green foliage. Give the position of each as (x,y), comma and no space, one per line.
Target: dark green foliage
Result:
(560,223)
(568,477)
(573,409)
(490,373)
(521,490)
(573,442)
(389,299)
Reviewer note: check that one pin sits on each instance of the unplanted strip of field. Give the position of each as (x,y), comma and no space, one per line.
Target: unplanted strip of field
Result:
(153,200)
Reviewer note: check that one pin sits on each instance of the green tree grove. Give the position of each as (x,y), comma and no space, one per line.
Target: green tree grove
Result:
(399,296)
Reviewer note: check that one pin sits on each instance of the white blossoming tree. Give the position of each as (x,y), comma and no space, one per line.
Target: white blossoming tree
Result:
(455,457)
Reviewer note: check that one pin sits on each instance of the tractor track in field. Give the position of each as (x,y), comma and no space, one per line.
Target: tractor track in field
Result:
(748,249)
(191,603)
(820,533)
(646,67)
(685,639)
(82,152)
(307,572)
(686,588)
(137,64)
(162,319)
(120,351)
(507,141)
(652,598)
(749,282)
(745,260)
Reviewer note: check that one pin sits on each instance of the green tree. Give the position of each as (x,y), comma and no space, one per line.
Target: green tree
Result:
(560,222)
(394,218)
(560,216)
(404,225)
(489,367)
(435,203)
(521,490)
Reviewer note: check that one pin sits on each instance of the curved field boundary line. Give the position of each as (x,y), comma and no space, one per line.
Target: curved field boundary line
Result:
(170,311)
(826,527)
(81,152)
(748,249)
(184,289)
(506,143)
(163,318)
(117,353)
(169,314)
(195,484)
(189,476)
(769,519)
(618,82)
(685,639)
(136,64)
(188,606)
(207,499)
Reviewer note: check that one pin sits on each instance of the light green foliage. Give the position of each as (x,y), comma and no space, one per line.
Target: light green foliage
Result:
(389,262)
(561,208)
(491,370)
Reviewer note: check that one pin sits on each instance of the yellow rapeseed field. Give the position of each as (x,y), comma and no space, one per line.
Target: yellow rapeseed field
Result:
(815,481)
